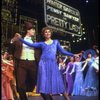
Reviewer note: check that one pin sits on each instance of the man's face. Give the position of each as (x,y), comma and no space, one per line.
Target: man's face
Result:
(31,32)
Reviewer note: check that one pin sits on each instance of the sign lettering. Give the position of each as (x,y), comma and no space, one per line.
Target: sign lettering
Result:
(62,17)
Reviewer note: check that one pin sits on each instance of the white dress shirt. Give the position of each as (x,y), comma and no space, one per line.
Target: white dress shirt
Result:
(27,52)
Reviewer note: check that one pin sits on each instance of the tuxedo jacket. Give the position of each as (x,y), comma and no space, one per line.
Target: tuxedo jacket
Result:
(16,49)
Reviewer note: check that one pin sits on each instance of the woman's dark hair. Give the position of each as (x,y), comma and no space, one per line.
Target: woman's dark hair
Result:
(89,53)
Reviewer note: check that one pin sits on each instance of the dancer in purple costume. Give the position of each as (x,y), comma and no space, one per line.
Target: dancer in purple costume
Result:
(69,77)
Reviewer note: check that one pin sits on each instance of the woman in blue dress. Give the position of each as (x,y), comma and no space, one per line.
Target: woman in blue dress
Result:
(49,79)
(90,86)
(62,68)
(78,82)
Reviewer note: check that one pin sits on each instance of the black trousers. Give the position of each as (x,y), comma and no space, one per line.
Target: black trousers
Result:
(46,96)
(26,77)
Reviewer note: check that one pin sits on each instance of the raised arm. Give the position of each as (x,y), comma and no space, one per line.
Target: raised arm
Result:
(95,65)
(73,70)
(7,62)
(83,61)
(66,69)
(65,59)
(35,45)
(84,66)
(63,51)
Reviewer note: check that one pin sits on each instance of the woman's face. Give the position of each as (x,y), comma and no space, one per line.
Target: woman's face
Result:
(47,34)
(89,55)
(60,60)
(77,58)
(71,58)
(5,55)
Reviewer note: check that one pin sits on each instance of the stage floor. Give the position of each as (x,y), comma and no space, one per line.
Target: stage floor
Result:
(62,98)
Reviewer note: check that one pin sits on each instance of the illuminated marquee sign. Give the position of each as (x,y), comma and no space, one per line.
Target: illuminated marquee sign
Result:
(62,17)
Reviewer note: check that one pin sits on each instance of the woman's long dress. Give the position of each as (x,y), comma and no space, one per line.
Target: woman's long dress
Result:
(7,76)
(90,86)
(78,82)
(49,79)
(69,78)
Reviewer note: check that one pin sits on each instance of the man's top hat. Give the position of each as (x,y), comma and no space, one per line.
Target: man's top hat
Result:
(28,25)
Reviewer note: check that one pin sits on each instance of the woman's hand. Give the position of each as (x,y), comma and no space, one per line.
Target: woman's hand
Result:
(81,53)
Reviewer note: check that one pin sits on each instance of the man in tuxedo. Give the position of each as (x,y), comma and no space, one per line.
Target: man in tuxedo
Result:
(25,62)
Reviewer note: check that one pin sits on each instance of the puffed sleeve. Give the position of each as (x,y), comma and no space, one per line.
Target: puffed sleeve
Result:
(62,50)
(35,45)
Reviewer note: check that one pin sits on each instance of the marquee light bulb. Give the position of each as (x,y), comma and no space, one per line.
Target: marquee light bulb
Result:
(84,38)
(73,41)
(87,1)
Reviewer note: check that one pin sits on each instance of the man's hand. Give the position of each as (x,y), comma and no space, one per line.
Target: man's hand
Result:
(16,37)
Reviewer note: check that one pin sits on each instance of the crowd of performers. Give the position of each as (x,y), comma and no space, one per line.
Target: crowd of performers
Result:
(79,73)
(44,73)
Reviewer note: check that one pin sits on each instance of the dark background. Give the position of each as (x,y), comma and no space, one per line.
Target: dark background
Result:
(89,18)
